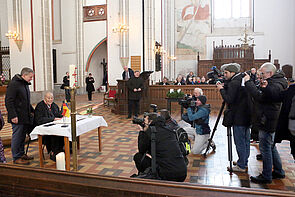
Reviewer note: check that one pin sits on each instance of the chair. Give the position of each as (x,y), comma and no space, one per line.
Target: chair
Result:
(109,96)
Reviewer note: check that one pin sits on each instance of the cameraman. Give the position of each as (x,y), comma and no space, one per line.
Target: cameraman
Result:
(169,159)
(236,98)
(200,116)
(197,92)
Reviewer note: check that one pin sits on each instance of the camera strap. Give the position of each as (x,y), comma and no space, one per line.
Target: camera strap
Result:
(153,149)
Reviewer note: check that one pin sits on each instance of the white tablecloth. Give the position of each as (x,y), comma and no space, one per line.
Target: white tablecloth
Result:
(84,125)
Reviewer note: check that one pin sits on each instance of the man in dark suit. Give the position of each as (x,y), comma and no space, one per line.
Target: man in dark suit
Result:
(164,82)
(127,73)
(135,87)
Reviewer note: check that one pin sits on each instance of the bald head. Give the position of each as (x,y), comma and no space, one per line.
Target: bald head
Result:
(48,98)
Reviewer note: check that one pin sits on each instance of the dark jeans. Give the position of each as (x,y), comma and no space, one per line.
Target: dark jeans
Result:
(89,95)
(68,95)
(18,141)
(270,156)
(133,104)
(242,141)
(142,162)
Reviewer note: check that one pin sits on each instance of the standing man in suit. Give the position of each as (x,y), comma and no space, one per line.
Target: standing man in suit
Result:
(89,86)
(127,73)
(135,87)
(66,83)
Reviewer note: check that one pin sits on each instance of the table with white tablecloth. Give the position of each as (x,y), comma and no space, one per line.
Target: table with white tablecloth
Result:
(84,124)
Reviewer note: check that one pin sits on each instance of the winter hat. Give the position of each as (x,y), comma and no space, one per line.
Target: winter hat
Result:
(203,99)
(233,67)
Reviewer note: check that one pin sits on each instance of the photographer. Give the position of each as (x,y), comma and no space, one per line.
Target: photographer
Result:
(170,163)
(199,113)
(236,99)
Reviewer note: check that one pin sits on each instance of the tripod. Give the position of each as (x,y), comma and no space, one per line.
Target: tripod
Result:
(229,139)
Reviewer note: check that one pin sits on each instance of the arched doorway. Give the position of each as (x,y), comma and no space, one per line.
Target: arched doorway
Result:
(96,62)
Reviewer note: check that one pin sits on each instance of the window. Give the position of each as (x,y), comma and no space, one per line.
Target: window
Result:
(232,14)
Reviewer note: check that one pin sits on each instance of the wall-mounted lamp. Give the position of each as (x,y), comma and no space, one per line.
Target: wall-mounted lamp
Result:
(172,57)
(158,49)
(120,28)
(12,35)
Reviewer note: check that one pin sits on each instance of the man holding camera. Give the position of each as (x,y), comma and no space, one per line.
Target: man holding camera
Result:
(170,163)
(236,98)
(267,98)
(199,113)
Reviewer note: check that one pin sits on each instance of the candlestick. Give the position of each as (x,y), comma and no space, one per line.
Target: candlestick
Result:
(73,75)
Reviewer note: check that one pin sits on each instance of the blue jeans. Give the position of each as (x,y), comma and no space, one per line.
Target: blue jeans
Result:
(270,155)
(18,141)
(242,141)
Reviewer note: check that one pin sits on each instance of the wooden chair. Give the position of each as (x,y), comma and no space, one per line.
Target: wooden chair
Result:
(109,96)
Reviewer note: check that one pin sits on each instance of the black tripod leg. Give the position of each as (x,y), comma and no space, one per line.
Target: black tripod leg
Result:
(215,128)
(28,144)
(230,153)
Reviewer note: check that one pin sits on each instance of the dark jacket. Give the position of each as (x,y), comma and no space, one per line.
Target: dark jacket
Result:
(135,83)
(268,101)
(131,74)
(170,161)
(237,99)
(162,83)
(282,131)
(44,114)
(89,84)
(66,81)
(17,101)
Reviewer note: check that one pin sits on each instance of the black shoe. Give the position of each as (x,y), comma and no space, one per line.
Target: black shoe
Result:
(276,175)
(52,157)
(259,157)
(133,175)
(260,179)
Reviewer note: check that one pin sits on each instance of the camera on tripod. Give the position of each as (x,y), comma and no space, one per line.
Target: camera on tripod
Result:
(140,121)
(215,75)
(187,101)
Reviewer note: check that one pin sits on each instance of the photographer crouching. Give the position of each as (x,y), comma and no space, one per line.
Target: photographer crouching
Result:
(199,112)
(170,163)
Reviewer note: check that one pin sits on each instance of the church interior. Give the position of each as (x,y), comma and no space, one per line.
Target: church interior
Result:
(160,39)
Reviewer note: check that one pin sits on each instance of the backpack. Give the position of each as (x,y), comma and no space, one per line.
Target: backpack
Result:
(183,141)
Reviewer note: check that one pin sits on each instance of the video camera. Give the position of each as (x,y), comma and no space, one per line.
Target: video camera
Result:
(214,75)
(248,72)
(140,121)
(187,101)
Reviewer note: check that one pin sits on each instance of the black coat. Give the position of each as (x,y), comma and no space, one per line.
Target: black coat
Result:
(135,83)
(237,99)
(282,131)
(89,84)
(170,161)
(66,81)
(44,115)
(268,101)
(131,74)
(17,101)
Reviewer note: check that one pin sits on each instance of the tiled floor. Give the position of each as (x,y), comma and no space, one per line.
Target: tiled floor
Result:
(120,144)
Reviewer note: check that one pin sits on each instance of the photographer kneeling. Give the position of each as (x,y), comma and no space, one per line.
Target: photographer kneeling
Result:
(170,163)
(199,113)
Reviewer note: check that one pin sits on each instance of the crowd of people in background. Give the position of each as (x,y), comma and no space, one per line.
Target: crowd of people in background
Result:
(190,79)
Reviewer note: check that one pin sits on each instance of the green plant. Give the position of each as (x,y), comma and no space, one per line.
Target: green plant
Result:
(175,94)
(89,110)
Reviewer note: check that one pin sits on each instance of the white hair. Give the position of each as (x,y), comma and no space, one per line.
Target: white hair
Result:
(47,93)
(269,67)
(199,90)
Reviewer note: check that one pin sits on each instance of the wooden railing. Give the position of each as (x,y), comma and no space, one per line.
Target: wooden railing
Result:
(28,181)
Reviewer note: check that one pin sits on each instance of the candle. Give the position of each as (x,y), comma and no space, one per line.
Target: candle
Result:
(73,75)
(60,161)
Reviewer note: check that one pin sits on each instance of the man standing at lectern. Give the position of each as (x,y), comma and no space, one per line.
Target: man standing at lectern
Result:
(135,87)
(127,73)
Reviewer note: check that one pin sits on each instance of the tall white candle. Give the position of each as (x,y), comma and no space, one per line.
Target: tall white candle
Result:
(73,75)
(60,161)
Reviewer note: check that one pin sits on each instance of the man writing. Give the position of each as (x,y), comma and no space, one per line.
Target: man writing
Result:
(268,109)
(19,108)
(236,99)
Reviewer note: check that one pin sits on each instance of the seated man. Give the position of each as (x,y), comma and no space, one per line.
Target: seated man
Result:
(47,111)
(170,163)
(164,82)
(200,115)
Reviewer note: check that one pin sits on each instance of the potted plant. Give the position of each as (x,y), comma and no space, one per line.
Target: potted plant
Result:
(89,112)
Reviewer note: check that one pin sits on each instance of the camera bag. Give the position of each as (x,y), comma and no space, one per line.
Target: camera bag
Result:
(228,118)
